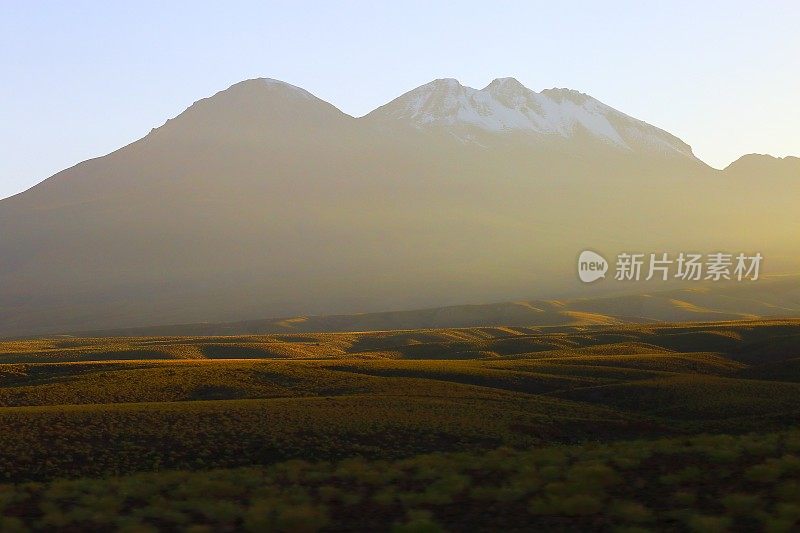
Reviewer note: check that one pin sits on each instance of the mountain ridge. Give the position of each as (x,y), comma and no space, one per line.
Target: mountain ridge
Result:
(264,200)
(786,167)
(505,105)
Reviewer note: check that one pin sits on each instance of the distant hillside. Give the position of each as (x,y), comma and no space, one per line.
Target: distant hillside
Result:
(770,298)
(755,166)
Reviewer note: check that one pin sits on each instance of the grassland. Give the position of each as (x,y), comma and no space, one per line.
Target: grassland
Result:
(703,483)
(104,433)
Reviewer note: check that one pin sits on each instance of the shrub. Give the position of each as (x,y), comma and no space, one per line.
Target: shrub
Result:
(739,504)
(708,524)
(418,522)
(630,511)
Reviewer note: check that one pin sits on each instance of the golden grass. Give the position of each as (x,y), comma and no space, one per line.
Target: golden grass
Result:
(140,403)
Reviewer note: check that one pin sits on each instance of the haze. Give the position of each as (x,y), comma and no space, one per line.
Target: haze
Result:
(723,76)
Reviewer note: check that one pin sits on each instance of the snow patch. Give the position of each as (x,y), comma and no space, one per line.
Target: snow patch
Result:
(505,105)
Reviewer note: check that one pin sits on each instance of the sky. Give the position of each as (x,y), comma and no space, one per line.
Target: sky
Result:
(81,79)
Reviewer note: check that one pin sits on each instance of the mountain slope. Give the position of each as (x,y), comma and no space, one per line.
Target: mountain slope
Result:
(265,201)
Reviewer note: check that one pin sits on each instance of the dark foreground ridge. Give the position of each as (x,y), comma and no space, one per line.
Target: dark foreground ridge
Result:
(703,483)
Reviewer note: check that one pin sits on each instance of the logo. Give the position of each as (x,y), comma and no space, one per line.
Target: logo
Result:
(591,266)
(663,266)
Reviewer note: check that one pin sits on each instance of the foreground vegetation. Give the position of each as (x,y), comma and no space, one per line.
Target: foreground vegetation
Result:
(705,483)
(585,427)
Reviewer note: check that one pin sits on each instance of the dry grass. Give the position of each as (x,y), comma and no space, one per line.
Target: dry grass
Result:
(73,407)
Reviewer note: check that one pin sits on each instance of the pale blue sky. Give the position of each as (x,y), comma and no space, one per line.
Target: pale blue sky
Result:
(81,78)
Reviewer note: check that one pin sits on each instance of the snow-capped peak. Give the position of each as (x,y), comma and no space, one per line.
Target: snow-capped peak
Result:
(505,105)
(505,85)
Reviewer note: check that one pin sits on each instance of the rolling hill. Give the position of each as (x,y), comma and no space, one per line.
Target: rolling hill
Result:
(774,297)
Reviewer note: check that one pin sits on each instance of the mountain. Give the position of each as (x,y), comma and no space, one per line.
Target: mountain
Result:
(762,165)
(507,106)
(264,200)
